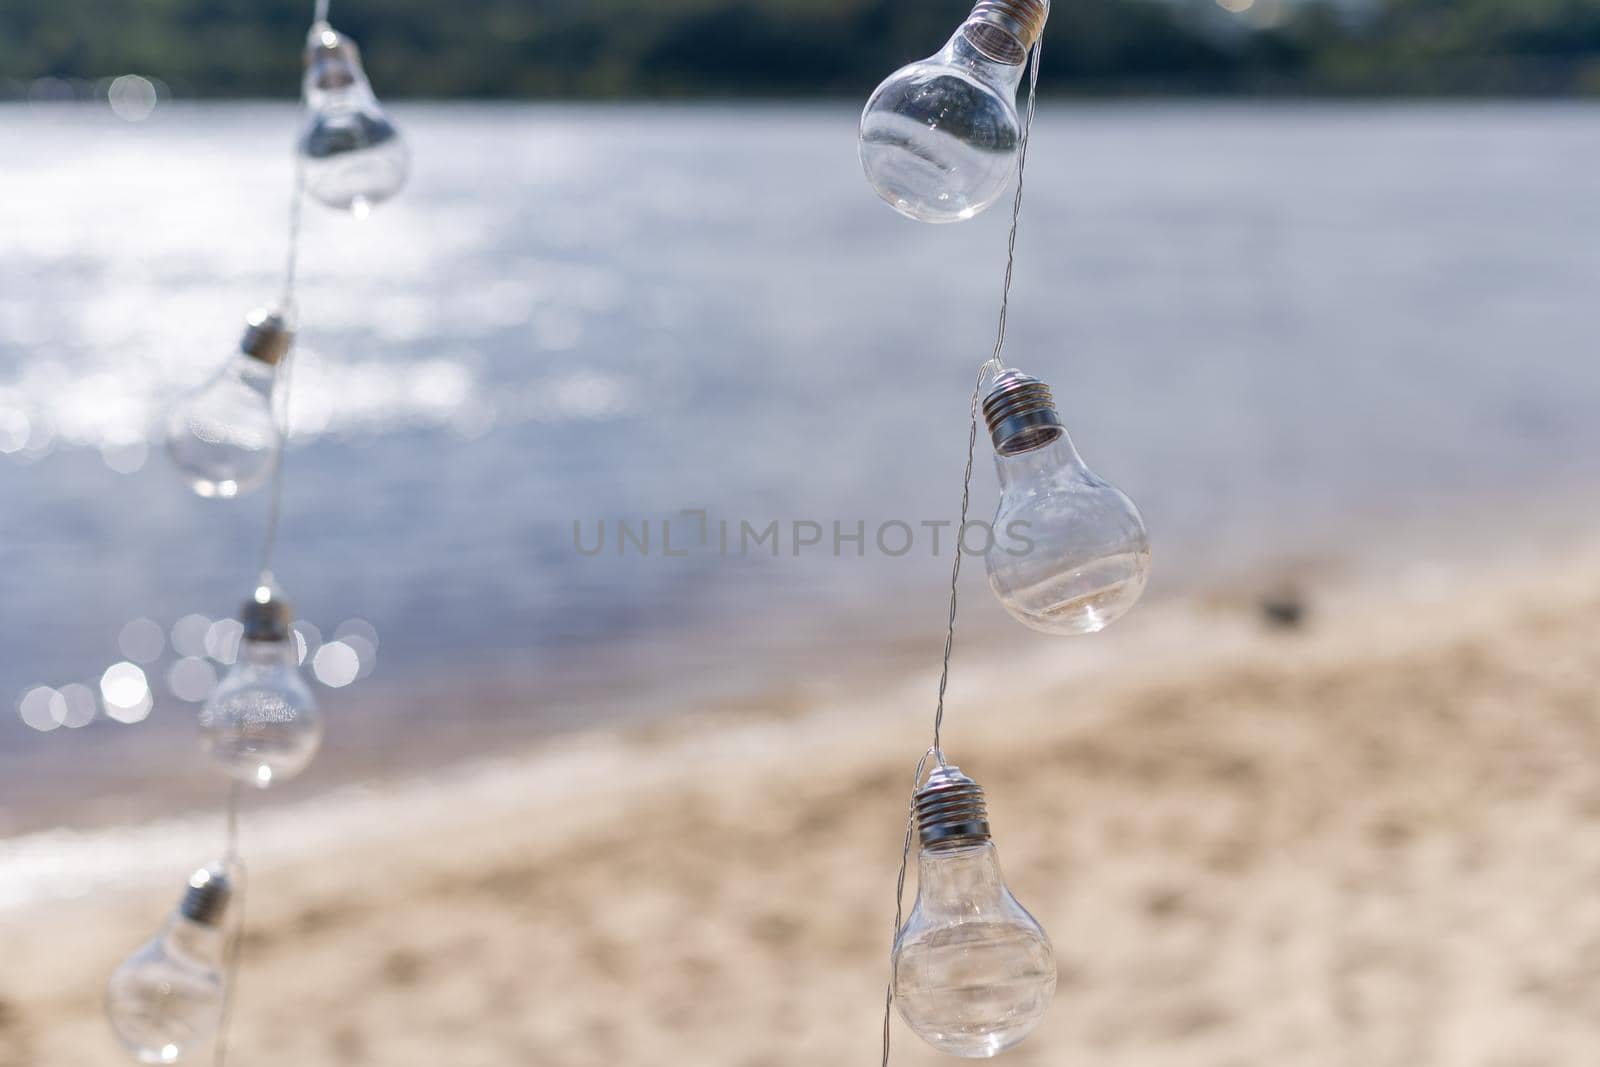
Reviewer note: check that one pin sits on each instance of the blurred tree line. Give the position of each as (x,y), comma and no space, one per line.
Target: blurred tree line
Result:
(613,48)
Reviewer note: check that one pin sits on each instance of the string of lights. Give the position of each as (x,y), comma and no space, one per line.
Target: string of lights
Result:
(971,972)
(261,725)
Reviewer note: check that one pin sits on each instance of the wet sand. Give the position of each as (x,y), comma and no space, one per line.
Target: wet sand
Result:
(1371,841)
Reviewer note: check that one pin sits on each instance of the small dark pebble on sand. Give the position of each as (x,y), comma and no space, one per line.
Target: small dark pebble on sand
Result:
(1284,610)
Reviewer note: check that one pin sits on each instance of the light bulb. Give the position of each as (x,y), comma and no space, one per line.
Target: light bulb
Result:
(261,726)
(1069,552)
(973,972)
(223,436)
(166,998)
(939,138)
(354,158)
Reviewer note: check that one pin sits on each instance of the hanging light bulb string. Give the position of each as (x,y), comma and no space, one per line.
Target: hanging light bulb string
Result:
(233,863)
(935,753)
(995,364)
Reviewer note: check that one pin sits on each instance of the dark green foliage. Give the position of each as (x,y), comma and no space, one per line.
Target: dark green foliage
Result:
(602,48)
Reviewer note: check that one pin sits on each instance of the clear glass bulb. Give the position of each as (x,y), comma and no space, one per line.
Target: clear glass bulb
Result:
(939,138)
(353,155)
(224,436)
(1070,553)
(973,972)
(262,725)
(166,999)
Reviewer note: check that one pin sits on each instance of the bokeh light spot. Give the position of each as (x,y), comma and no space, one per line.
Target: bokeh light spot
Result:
(222,640)
(38,708)
(189,635)
(125,458)
(191,679)
(307,639)
(132,98)
(336,664)
(142,641)
(80,706)
(14,430)
(126,693)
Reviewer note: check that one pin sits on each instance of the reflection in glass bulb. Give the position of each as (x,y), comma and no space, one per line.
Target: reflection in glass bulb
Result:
(973,972)
(354,158)
(262,726)
(1070,554)
(939,138)
(166,998)
(224,436)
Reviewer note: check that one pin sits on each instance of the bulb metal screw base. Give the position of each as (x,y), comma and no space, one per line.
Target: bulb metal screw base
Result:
(1004,30)
(951,811)
(1021,414)
(332,58)
(206,900)
(266,620)
(267,336)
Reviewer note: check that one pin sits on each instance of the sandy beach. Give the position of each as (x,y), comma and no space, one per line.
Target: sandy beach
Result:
(1372,841)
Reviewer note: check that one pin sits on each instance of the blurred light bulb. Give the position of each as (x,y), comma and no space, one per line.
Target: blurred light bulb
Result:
(973,972)
(1070,554)
(939,138)
(166,998)
(354,157)
(223,436)
(261,726)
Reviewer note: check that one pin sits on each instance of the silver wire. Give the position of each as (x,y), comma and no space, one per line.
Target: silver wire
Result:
(900,890)
(1016,206)
(233,958)
(322,11)
(269,540)
(291,265)
(936,752)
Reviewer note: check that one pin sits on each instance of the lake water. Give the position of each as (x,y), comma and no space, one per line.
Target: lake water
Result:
(1326,333)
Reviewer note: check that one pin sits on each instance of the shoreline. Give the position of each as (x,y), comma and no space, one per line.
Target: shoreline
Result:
(402,725)
(1234,835)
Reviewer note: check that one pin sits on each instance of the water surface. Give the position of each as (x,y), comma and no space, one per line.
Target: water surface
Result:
(1339,333)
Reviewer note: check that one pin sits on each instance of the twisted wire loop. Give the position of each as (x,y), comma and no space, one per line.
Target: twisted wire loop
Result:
(992,365)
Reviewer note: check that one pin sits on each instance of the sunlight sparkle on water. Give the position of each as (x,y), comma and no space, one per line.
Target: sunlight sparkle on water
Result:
(126,693)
